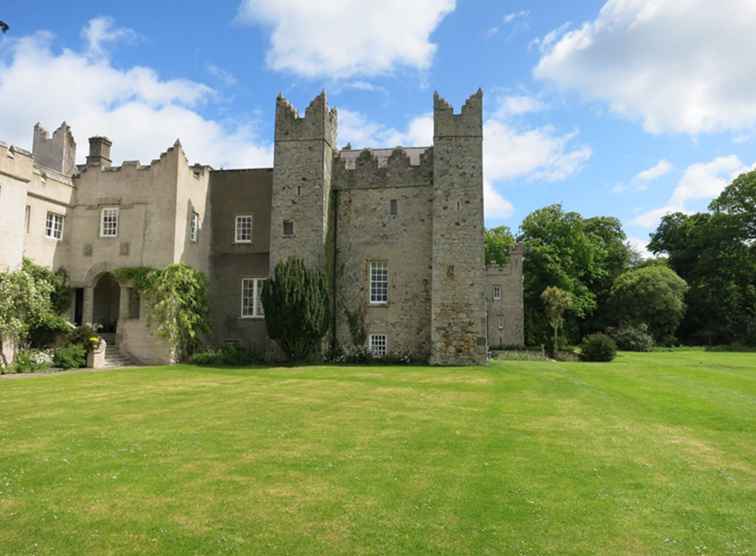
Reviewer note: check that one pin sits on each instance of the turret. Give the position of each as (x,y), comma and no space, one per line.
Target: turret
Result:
(57,152)
(458,310)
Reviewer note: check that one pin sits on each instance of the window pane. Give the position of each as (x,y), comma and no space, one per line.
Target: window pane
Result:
(248,298)
(244,228)
(377,345)
(378,282)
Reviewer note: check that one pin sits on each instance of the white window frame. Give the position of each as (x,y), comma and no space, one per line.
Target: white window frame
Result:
(378,285)
(497,293)
(257,311)
(237,228)
(109,212)
(378,345)
(53,231)
(194,227)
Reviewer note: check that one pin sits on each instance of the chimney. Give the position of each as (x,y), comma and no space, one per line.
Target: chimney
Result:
(99,152)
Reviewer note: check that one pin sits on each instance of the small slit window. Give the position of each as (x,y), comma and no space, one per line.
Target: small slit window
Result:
(393,207)
(497,293)
(194,230)
(288,228)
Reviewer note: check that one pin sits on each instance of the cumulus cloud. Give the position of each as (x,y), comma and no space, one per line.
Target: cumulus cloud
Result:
(509,152)
(640,246)
(517,105)
(141,112)
(678,66)
(101,31)
(701,181)
(661,168)
(349,37)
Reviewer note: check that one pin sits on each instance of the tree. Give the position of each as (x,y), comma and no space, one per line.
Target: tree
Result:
(178,307)
(24,302)
(297,308)
(499,245)
(652,295)
(738,201)
(555,302)
(580,256)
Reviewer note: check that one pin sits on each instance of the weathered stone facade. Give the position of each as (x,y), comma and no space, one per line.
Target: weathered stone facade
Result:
(414,213)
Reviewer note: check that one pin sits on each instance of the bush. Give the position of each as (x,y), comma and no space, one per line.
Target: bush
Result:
(229,354)
(73,356)
(735,347)
(85,336)
(31,360)
(46,333)
(633,338)
(598,347)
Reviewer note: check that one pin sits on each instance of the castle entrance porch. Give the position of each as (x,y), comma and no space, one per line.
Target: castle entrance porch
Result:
(107,302)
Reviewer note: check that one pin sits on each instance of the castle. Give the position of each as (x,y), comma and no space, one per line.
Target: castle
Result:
(398,232)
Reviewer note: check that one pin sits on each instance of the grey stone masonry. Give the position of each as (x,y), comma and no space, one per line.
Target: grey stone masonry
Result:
(458,311)
(303,156)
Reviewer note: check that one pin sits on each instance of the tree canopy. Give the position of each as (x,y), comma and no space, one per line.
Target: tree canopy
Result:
(499,245)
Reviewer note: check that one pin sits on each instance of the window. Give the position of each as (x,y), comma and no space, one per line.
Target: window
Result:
(244,229)
(194,229)
(288,228)
(497,293)
(251,298)
(378,282)
(394,207)
(54,225)
(377,345)
(501,324)
(27,219)
(109,222)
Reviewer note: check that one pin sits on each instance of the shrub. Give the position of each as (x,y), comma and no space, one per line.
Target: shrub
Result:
(598,347)
(73,356)
(49,330)
(633,338)
(31,360)
(229,354)
(85,336)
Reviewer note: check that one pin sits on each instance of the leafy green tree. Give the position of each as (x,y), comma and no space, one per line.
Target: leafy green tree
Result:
(580,256)
(297,308)
(715,253)
(555,303)
(58,280)
(178,309)
(652,295)
(499,245)
(24,302)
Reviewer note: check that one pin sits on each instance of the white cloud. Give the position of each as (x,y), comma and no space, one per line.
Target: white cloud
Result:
(100,31)
(640,246)
(509,152)
(507,20)
(703,180)
(142,113)
(224,76)
(517,105)
(661,168)
(347,37)
(678,66)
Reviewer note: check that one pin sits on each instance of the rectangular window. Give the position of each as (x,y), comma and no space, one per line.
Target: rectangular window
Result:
(251,298)
(243,229)
(288,228)
(394,207)
(109,222)
(27,219)
(378,282)
(194,229)
(377,345)
(54,225)
(497,293)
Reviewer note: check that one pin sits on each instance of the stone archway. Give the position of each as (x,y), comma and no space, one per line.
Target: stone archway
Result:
(107,303)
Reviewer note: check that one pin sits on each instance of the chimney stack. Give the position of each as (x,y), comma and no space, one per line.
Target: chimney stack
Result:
(99,152)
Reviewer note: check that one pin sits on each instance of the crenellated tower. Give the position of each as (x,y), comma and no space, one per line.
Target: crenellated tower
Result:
(458,310)
(57,152)
(303,159)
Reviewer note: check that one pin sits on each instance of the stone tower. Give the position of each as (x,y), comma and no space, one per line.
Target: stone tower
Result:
(303,159)
(458,310)
(57,152)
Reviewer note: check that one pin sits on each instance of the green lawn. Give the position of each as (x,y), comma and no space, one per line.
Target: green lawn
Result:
(652,454)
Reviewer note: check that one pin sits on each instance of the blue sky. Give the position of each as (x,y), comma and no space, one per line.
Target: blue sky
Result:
(630,108)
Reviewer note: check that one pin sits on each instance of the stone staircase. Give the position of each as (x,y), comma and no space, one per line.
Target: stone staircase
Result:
(113,356)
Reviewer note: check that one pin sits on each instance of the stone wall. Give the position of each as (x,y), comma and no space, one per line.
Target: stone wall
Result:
(368,231)
(303,157)
(15,175)
(458,315)
(506,314)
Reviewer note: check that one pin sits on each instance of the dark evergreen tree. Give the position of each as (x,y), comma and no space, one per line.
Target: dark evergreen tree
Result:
(297,308)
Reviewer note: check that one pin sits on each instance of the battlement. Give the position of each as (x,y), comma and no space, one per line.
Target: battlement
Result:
(137,166)
(468,123)
(318,122)
(57,152)
(383,168)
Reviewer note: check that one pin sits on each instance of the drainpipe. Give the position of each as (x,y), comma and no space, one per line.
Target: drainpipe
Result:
(333,267)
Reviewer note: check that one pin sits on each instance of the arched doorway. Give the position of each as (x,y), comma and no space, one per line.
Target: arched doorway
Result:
(107,302)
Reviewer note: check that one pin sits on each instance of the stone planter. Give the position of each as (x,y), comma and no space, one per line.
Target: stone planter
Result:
(96,357)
